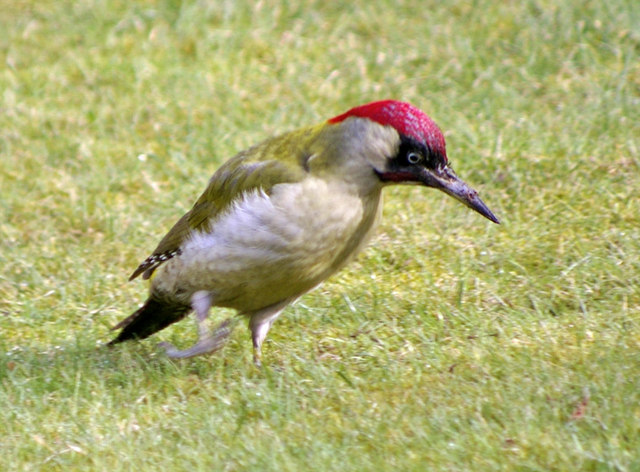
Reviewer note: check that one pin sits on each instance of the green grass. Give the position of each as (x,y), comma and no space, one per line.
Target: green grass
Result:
(450,344)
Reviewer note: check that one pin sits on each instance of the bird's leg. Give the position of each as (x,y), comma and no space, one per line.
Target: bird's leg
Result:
(260,323)
(208,341)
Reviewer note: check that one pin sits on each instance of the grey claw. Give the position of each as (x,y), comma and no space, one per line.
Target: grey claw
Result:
(208,342)
(171,351)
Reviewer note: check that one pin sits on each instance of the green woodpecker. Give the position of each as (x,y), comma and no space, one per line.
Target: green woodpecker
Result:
(279,218)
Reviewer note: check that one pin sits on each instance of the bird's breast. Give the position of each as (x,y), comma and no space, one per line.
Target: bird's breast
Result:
(268,247)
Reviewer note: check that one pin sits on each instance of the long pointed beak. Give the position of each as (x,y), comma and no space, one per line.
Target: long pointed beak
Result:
(445,179)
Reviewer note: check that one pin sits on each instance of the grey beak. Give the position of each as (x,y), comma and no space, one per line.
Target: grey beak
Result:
(445,179)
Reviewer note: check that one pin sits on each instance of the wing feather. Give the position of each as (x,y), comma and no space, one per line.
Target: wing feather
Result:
(249,170)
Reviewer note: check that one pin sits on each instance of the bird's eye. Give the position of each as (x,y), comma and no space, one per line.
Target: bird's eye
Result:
(414,158)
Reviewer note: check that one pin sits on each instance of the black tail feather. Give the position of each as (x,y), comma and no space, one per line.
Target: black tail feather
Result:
(154,315)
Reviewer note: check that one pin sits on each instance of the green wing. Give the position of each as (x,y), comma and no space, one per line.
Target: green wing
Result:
(249,170)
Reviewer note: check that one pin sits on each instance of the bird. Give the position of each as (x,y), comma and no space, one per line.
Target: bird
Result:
(279,218)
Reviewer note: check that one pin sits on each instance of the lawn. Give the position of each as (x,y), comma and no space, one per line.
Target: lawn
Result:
(450,344)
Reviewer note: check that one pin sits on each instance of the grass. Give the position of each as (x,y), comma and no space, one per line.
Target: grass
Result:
(450,344)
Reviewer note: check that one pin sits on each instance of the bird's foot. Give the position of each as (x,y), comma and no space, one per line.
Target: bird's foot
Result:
(208,342)
(257,359)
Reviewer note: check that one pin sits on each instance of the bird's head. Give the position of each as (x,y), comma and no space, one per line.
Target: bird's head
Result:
(421,157)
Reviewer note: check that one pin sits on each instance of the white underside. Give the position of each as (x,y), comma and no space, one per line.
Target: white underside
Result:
(268,248)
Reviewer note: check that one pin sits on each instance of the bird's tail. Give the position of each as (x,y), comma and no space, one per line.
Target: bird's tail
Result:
(154,315)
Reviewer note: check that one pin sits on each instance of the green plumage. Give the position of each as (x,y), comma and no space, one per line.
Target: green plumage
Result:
(255,168)
(281,217)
